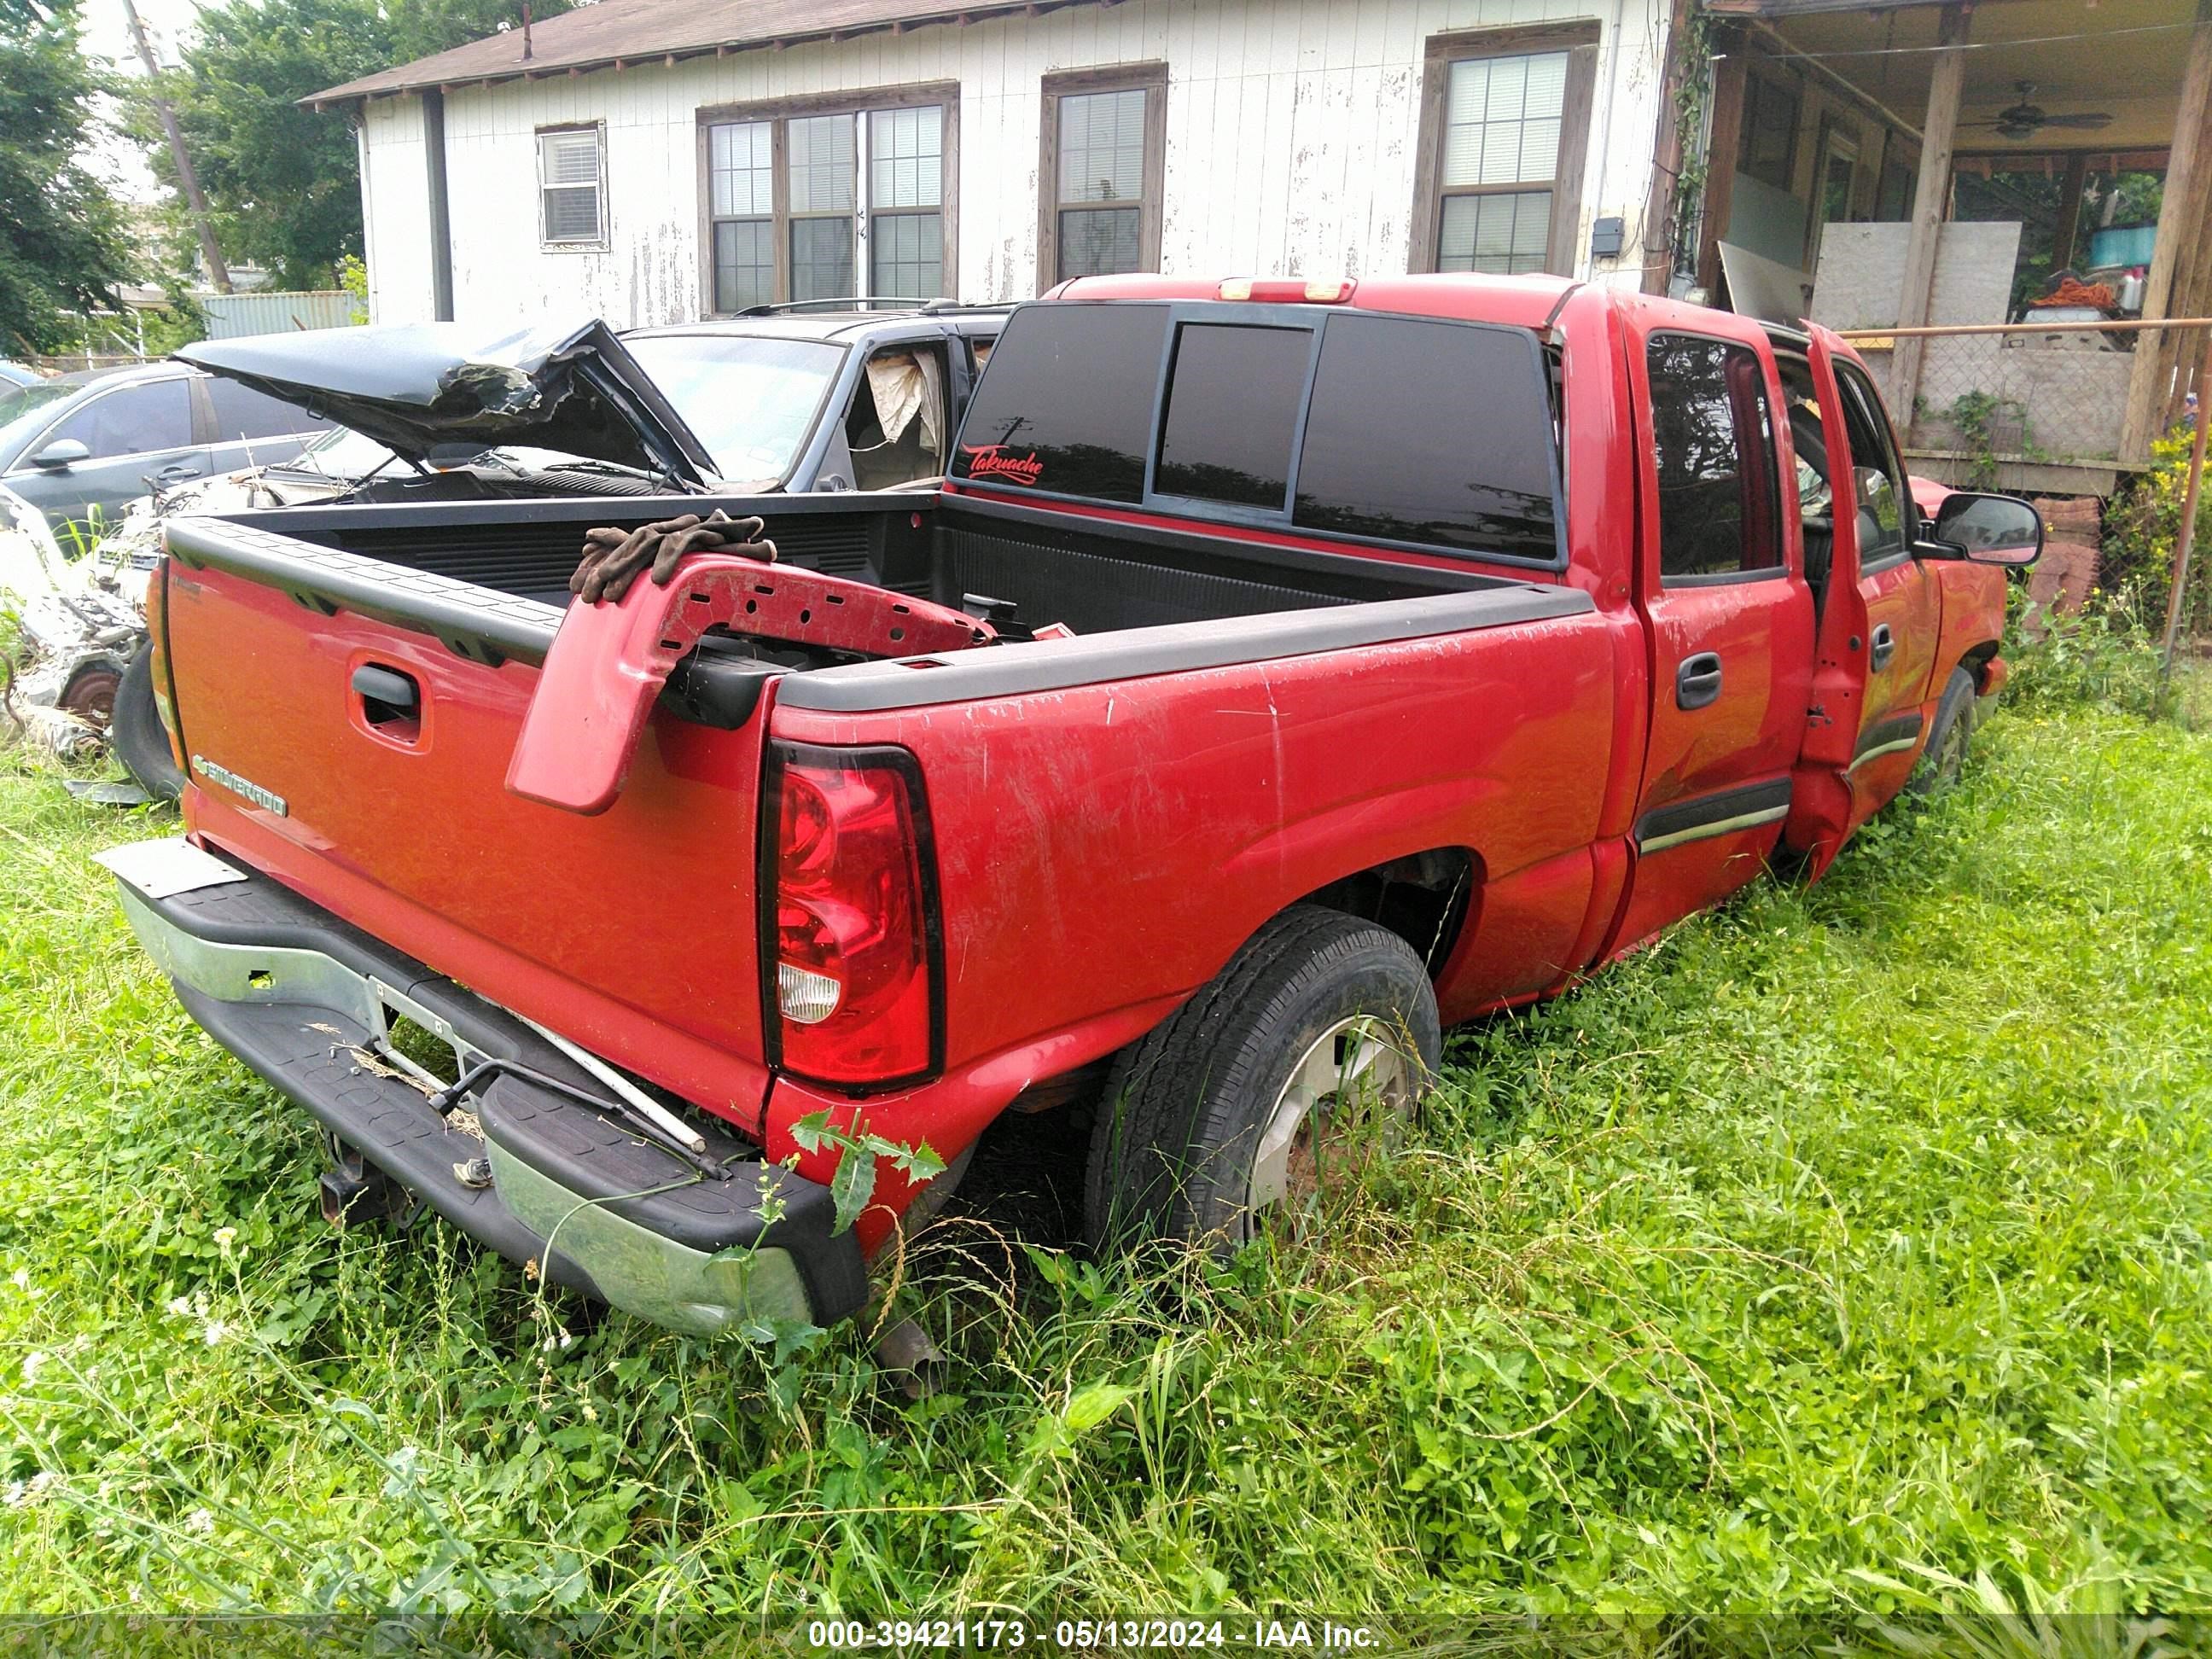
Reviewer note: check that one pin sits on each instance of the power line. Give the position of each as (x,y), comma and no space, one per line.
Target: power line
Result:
(1992,45)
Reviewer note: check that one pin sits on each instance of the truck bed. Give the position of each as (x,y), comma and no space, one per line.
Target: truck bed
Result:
(1095,577)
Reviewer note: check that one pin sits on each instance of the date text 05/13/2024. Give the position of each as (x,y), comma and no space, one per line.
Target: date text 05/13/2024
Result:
(1322,1635)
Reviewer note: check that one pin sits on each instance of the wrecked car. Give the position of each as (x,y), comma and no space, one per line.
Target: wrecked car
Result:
(1285,671)
(786,399)
(72,638)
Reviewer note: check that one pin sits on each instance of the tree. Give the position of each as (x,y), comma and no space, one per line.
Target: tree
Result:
(283,181)
(62,242)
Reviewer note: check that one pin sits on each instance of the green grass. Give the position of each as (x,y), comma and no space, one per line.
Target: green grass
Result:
(1845,1255)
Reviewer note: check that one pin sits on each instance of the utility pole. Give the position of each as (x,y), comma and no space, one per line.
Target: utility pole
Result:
(218,272)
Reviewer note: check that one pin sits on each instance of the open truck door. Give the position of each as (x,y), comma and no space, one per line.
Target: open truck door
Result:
(1881,610)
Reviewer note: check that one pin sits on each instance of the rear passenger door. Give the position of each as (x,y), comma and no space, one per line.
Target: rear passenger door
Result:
(252,428)
(1730,620)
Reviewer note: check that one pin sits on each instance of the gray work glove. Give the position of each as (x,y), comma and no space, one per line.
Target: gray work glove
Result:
(613,557)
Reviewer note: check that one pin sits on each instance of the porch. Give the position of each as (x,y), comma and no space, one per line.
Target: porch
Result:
(1921,176)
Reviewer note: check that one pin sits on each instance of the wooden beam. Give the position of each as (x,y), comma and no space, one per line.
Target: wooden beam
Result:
(1658,238)
(2181,226)
(1931,206)
(2070,212)
(1720,151)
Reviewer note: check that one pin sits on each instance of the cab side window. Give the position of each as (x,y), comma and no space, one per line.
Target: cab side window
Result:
(1887,518)
(895,426)
(1713,444)
(132,420)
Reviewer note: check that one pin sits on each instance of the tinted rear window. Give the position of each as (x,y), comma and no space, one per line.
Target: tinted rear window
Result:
(1068,403)
(242,413)
(1429,432)
(1232,405)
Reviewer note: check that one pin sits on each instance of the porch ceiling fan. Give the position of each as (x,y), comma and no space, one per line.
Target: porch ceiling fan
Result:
(2026,117)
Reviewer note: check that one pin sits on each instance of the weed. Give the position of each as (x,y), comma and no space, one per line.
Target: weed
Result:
(1842,1256)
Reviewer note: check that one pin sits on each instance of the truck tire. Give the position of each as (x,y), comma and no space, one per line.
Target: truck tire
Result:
(135,731)
(1945,757)
(1231,1110)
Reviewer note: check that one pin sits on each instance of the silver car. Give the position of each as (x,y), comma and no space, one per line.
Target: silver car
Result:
(79,447)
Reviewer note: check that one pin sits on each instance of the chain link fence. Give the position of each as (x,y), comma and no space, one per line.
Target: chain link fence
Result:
(2061,407)
(2092,419)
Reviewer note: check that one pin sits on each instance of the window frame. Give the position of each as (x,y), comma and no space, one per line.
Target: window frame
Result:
(1758,89)
(1782,568)
(1855,387)
(1579,40)
(1150,79)
(196,423)
(1281,522)
(777,112)
(600,244)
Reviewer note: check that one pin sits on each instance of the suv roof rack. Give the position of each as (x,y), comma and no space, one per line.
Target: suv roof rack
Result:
(870,302)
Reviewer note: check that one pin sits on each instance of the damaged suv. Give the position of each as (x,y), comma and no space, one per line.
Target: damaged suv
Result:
(783,400)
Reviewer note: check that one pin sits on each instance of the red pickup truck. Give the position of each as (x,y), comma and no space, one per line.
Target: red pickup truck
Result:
(1285,671)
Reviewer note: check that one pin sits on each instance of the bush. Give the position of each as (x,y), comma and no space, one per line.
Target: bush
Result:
(2105,654)
(2141,528)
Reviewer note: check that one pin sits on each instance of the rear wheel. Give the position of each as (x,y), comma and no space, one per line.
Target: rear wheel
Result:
(135,731)
(1944,759)
(1261,1095)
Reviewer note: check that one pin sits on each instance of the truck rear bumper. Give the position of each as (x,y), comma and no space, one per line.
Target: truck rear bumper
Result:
(308,1001)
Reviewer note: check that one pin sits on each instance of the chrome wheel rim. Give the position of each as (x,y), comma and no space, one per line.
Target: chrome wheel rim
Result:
(1354,1076)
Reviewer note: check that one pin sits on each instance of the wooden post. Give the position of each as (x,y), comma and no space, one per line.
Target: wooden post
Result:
(2069,211)
(1931,206)
(1720,165)
(2180,226)
(2187,538)
(1662,237)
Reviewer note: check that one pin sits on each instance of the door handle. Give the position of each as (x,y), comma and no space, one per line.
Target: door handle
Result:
(172,474)
(1698,681)
(1885,647)
(389,701)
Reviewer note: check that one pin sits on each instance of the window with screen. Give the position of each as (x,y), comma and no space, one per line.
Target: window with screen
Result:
(1232,413)
(242,413)
(835,204)
(741,205)
(1067,406)
(1768,149)
(1100,173)
(1503,147)
(572,186)
(1712,441)
(1886,521)
(1439,434)
(132,420)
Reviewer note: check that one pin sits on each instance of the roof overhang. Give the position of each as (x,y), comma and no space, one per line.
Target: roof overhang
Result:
(461,68)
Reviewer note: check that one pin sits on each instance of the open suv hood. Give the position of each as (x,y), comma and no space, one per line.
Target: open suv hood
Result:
(416,386)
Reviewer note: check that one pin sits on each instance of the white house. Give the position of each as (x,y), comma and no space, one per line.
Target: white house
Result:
(657,160)
(662,159)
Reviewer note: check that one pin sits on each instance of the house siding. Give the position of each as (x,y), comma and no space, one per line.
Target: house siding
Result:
(1291,131)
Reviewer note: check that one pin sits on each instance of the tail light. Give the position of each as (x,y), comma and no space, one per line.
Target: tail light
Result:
(849,940)
(157,642)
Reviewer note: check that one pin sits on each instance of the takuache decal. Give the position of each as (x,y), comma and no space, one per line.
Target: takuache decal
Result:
(991,461)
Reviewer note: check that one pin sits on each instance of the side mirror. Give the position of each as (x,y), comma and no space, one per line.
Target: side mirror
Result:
(61,453)
(1990,529)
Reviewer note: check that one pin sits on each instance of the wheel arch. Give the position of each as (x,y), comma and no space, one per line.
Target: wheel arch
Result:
(1426,898)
